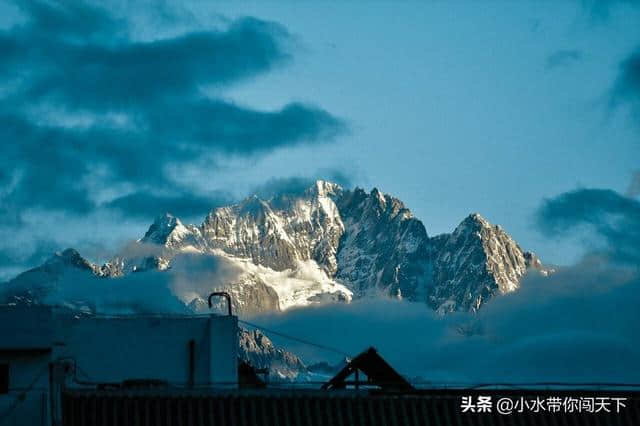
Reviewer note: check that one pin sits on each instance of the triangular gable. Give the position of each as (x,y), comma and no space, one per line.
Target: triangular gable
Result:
(378,371)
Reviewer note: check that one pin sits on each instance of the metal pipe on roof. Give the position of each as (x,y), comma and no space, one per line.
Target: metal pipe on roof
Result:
(221,294)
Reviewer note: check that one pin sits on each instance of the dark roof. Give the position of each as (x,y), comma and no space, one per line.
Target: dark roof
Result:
(248,376)
(320,408)
(378,373)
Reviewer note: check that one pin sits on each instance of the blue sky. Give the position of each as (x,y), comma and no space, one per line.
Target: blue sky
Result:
(455,107)
(111,116)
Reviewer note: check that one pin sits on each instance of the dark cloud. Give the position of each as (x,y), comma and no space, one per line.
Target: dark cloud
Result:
(86,107)
(13,261)
(128,74)
(241,131)
(563,58)
(613,217)
(626,89)
(146,204)
(296,185)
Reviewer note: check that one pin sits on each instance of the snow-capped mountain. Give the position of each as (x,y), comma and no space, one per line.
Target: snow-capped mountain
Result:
(260,352)
(35,285)
(326,244)
(475,262)
(384,249)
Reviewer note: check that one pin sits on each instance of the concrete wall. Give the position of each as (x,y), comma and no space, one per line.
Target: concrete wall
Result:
(24,327)
(223,363)
(108,350)
(113,349)
(26,337)
(27,402)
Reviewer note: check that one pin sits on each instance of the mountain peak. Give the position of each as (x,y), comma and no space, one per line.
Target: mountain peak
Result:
(253,205)
(70,253)
(475,223)
(162,229)
(477,219)
(70,257)
(379,196)
(166,220)
(476,262)
(323,188)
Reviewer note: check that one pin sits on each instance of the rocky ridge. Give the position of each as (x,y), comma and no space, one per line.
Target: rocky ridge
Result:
(327,244)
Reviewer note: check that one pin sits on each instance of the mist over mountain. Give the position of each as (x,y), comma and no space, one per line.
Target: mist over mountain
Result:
(350,268)
(327,244)
(323,245)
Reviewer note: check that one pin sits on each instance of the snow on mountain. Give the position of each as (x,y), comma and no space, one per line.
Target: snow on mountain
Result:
(332,244)
(477,261)
(168,231)
(68,268)
(281,232)
(384,249)
(249,296)
(287,244)
(327,244)
(260,352)
(33,286)
(304,284)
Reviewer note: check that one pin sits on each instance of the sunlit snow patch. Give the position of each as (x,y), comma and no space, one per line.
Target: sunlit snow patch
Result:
(305,285)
